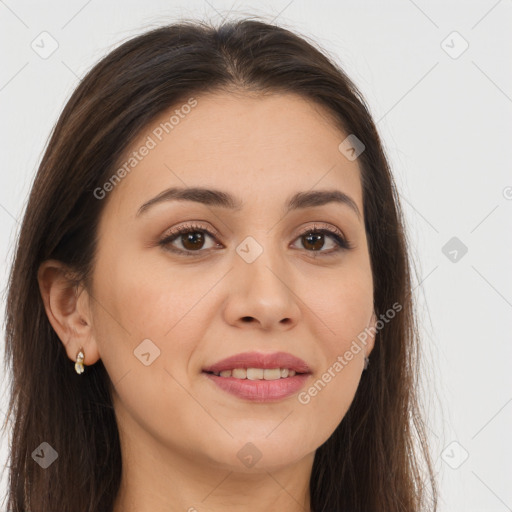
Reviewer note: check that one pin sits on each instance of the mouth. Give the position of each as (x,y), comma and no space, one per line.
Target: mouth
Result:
(257,373)
(259,377)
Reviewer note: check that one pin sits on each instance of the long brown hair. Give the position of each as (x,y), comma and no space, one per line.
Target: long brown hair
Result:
(376,457)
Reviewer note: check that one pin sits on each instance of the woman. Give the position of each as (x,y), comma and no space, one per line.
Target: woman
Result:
(210,305)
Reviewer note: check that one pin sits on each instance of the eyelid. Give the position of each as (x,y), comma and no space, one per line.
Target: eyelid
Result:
(318,226)
(190,227)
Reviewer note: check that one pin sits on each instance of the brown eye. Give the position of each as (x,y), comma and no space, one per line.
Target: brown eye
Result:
(193,240)
(313,241)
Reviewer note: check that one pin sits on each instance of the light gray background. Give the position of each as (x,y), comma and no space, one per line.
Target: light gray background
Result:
(446,125)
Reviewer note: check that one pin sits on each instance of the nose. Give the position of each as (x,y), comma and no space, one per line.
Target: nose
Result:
(261,295)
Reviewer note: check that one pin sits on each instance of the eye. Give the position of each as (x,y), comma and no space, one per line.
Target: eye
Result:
(313,239)
(190,237)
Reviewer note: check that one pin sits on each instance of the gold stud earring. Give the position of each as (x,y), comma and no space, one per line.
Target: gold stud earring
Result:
(79,365)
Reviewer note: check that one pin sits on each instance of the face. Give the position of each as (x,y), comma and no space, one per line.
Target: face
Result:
(263,277)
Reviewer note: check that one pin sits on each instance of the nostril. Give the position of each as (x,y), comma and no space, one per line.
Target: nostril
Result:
(247,319)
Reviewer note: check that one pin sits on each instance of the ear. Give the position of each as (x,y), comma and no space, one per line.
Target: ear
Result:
(68,309)
(372,329)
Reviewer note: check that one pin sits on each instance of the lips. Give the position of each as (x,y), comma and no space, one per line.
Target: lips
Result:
(260,360)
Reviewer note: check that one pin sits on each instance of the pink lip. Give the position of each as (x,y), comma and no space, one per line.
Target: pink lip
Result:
(260,390)
(260,360)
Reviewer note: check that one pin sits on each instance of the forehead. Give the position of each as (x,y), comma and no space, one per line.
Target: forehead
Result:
(259,147)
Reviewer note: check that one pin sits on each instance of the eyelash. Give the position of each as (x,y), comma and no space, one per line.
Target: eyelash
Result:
(341,242)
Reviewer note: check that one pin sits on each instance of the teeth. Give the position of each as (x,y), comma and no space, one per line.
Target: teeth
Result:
(257,373)
(272,374)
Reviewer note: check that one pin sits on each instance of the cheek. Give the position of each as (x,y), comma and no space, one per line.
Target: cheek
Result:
(341,306)
(152,301)
(138,302)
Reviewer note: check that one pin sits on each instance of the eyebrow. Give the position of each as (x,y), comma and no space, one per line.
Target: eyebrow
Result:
(212,197)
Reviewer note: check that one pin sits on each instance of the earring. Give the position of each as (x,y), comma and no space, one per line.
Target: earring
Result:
(79,365)
(366,362)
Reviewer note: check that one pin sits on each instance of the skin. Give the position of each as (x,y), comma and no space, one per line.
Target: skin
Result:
(180,434)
